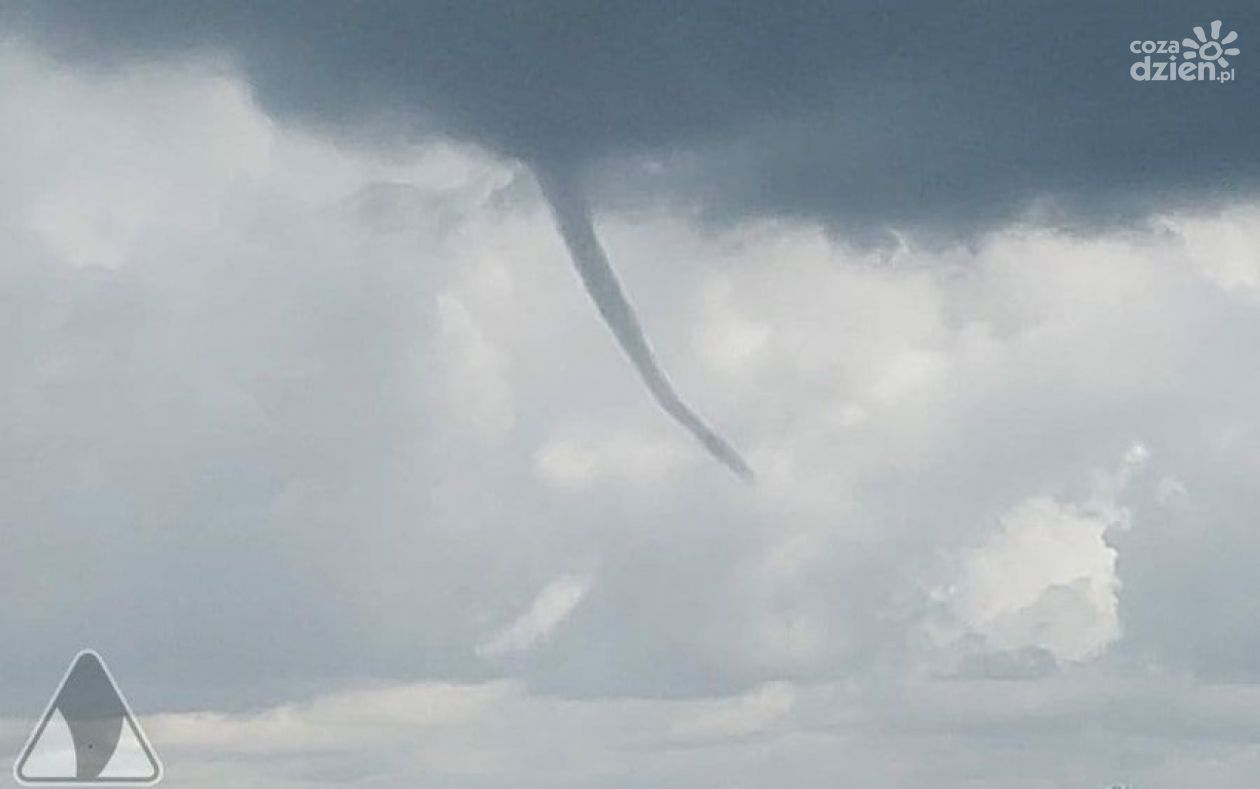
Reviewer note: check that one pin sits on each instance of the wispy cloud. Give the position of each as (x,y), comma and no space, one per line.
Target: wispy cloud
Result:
(555,603)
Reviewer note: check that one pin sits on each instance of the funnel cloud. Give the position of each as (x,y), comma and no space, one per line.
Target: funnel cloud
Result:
(573,218)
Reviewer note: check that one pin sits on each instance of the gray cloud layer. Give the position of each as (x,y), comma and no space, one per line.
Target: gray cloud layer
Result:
(936,116)
(284,419)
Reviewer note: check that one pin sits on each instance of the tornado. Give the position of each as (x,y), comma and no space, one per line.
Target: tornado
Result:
(572,214)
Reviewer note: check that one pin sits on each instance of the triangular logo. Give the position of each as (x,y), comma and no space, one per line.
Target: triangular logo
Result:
(88,735)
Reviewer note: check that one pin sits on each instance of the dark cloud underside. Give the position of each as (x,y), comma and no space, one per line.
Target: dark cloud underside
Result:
(945,117)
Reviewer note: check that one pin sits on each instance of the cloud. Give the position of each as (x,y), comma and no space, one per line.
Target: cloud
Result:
(282,407)
(469,735)
(582,461)
(1220,244)
(555,603)
(1046,581)
(1171,491)
(472,376)
(753,713)
(914,118)
(344,721)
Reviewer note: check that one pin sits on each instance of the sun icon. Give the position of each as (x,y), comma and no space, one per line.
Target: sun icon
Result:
(1210,49)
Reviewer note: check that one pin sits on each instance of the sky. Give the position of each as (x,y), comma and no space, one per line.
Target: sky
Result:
(310,429)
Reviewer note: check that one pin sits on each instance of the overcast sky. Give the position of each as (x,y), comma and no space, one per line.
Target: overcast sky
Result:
(308,426)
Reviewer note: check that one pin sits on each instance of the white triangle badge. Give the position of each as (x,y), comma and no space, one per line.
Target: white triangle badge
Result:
(88,736)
